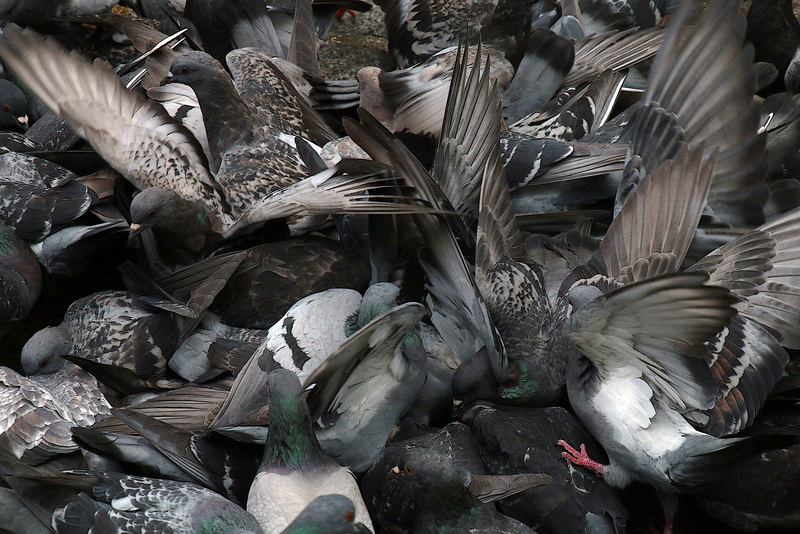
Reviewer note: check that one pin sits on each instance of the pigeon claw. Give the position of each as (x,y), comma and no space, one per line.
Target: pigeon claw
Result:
(580,457)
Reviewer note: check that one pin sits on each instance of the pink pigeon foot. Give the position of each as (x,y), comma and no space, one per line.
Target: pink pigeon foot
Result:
(580,457)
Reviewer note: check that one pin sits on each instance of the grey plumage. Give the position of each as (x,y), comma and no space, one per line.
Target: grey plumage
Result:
(39,196)
(154,505)
(294,471)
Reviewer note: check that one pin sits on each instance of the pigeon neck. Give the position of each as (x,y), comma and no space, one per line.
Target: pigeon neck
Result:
(228,119)
(290,441)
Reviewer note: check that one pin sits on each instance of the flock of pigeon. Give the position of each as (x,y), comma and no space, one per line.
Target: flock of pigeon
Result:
(554,254)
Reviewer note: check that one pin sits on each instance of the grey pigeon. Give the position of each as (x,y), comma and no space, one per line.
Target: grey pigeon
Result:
(693,402)
(428,491)
(360,416)
(239,137)
(185,230)
(40,408)
(152,505)
(295,342)
(418,29)
(39,196)
(263,288)
(116,328)
(294,470)
(548,59)
(682,395)
(523,440)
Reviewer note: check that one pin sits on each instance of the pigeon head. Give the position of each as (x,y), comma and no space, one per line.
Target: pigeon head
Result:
(42,354)
(13,107)
(152,208)
(474,379)
(582,294)
(329,513)
(425,469)
(197,70)
(378,298)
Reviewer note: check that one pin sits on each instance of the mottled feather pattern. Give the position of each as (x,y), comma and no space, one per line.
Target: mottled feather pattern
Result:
(39,411)
(134,135)
(128,340)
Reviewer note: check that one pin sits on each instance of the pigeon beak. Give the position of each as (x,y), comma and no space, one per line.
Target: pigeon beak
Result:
(23,122)
(167,79)
(457,408)
(396,470)
(136,229)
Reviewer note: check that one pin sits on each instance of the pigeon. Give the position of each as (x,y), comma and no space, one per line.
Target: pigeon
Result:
(190,231)
(273,277)
(548,59)
(294,470)
(39,196)
(678,404)
(239,138)
(426,482)
(40,408)
(358,420)
(518,440)
(115,328)
(165,154)
(418,29)
(122,503)
(455,443)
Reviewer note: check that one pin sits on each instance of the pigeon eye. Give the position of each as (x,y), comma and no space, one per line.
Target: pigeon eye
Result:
(6,108)
(152,213)
(409,470)
(184,70)
(348,517)
(473,387)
